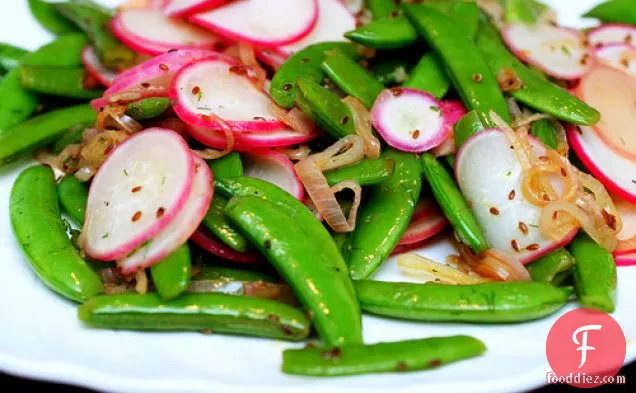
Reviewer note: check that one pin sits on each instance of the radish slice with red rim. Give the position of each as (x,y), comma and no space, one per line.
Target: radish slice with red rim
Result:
(247,141)
(140,188)
(612,34)
(625,259)
(453,111)
(409,119)
(558,51)
(427,221)
(149,31)
(271,57)
(175,8)
(209,243)
(96,68)
(262,22)
(620,56)
(627,235)
(490,175)
(221,88)
(275,168)
(177,232)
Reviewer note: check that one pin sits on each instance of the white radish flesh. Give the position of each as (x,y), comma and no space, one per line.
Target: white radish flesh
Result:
(149,31)
(558,51)
(143,184)
(177,232)
(176,8)
(96,68)
(490,177)
(409,119)
(262,22)
(619,56)
(274,168)
(247,141)
(612,34)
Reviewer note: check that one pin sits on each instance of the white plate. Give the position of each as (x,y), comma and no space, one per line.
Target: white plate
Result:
(40,336)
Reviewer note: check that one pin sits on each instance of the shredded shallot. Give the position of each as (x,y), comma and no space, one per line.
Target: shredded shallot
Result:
(418,266)
(363,126)
(294,118)
(141,282)
(295,153)
(248,57)
(212,154)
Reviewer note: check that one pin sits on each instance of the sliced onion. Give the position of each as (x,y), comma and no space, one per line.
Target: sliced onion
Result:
(417,266)
(295,154)
(496,265)
(213,154)
(84,174)
(248,57)
(141,282)
(363,125)
(296,119)
(527,120)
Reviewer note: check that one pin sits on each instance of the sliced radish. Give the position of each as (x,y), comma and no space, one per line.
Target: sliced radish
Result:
(96,68)
(246,141)
(262,22)
(627,235)
(275,168)
(222,88)
(149,31)
(177,232)
(176,8)
(151,78)
(620,56)
(625,259)
(613,94)
(427,221)
(215,247)
(271,57)
(409,119)
(612,34)
(490,176)
(141,187)
(558,51)
(334,19)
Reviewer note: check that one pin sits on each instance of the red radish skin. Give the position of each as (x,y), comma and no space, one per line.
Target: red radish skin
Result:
(558,51)
(612,34)
(149,31)
(140,188)
(625,260)
(96,68)
(275,168)
(179,8)
(409,119)
(222,88)
(215,247)
(179,230)
(271,57)
(489,175)
(619,56)
(427,221)
(262,22)
(627,235)
(247,141)
(453,111)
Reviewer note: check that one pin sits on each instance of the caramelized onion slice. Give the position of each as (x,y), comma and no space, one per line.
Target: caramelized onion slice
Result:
(363,126)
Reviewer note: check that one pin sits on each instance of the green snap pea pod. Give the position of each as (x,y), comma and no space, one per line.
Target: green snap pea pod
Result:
(73,195)
(381,8)
(614,11)
(537,93)
(501,302)
(11,56)
(63,82)
(217,312)
(37,132)
(216,221)
(545,131)
(72,136)
(467,126)
(38,228)
(384,216)
(342,242)
(594,274)
(94,20)
(148,108)
(453,204)
(325,108)
(227,166)
(429,75)
(304,64)
(390,69)
(317,280)
(351,77)
(552,268)
(399,356)
(367,172)
(172,275)
(519,11)
(467,68)
(216,273)
(48,17)
(65,51)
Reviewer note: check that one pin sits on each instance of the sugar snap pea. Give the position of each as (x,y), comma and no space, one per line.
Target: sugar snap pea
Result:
(467,68)
(501,302)
(325,108)
(537,93)
(552,268)
(217,312)
(545,131)
(400,356)
(367,172)
(594,274)
(216,221)
(351,77)
(63,82)
(429,75)
(318,281)
(73,196)
(48,17)
(38,228)
(72,135)
(227,167)
(614,11)
(381,8)
(304,64)
(24,138)
(467,126)
(172,275)
(453,204)
(217,273)
(519,11)
(64,51)
(384,216)
(148,108)
(11,56)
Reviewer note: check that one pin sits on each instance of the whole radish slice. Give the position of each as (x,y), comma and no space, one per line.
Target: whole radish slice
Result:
(490,176)
(217,87)
(177,232)
(613,94)
(215,247)
(558,51)
(427,221)
(247,141)
(175,8)
(96,68)
(409,119)
(619,56)
(627,235)
(149,31)
(262,22)
(141,187)
(612,34)
(275,168)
